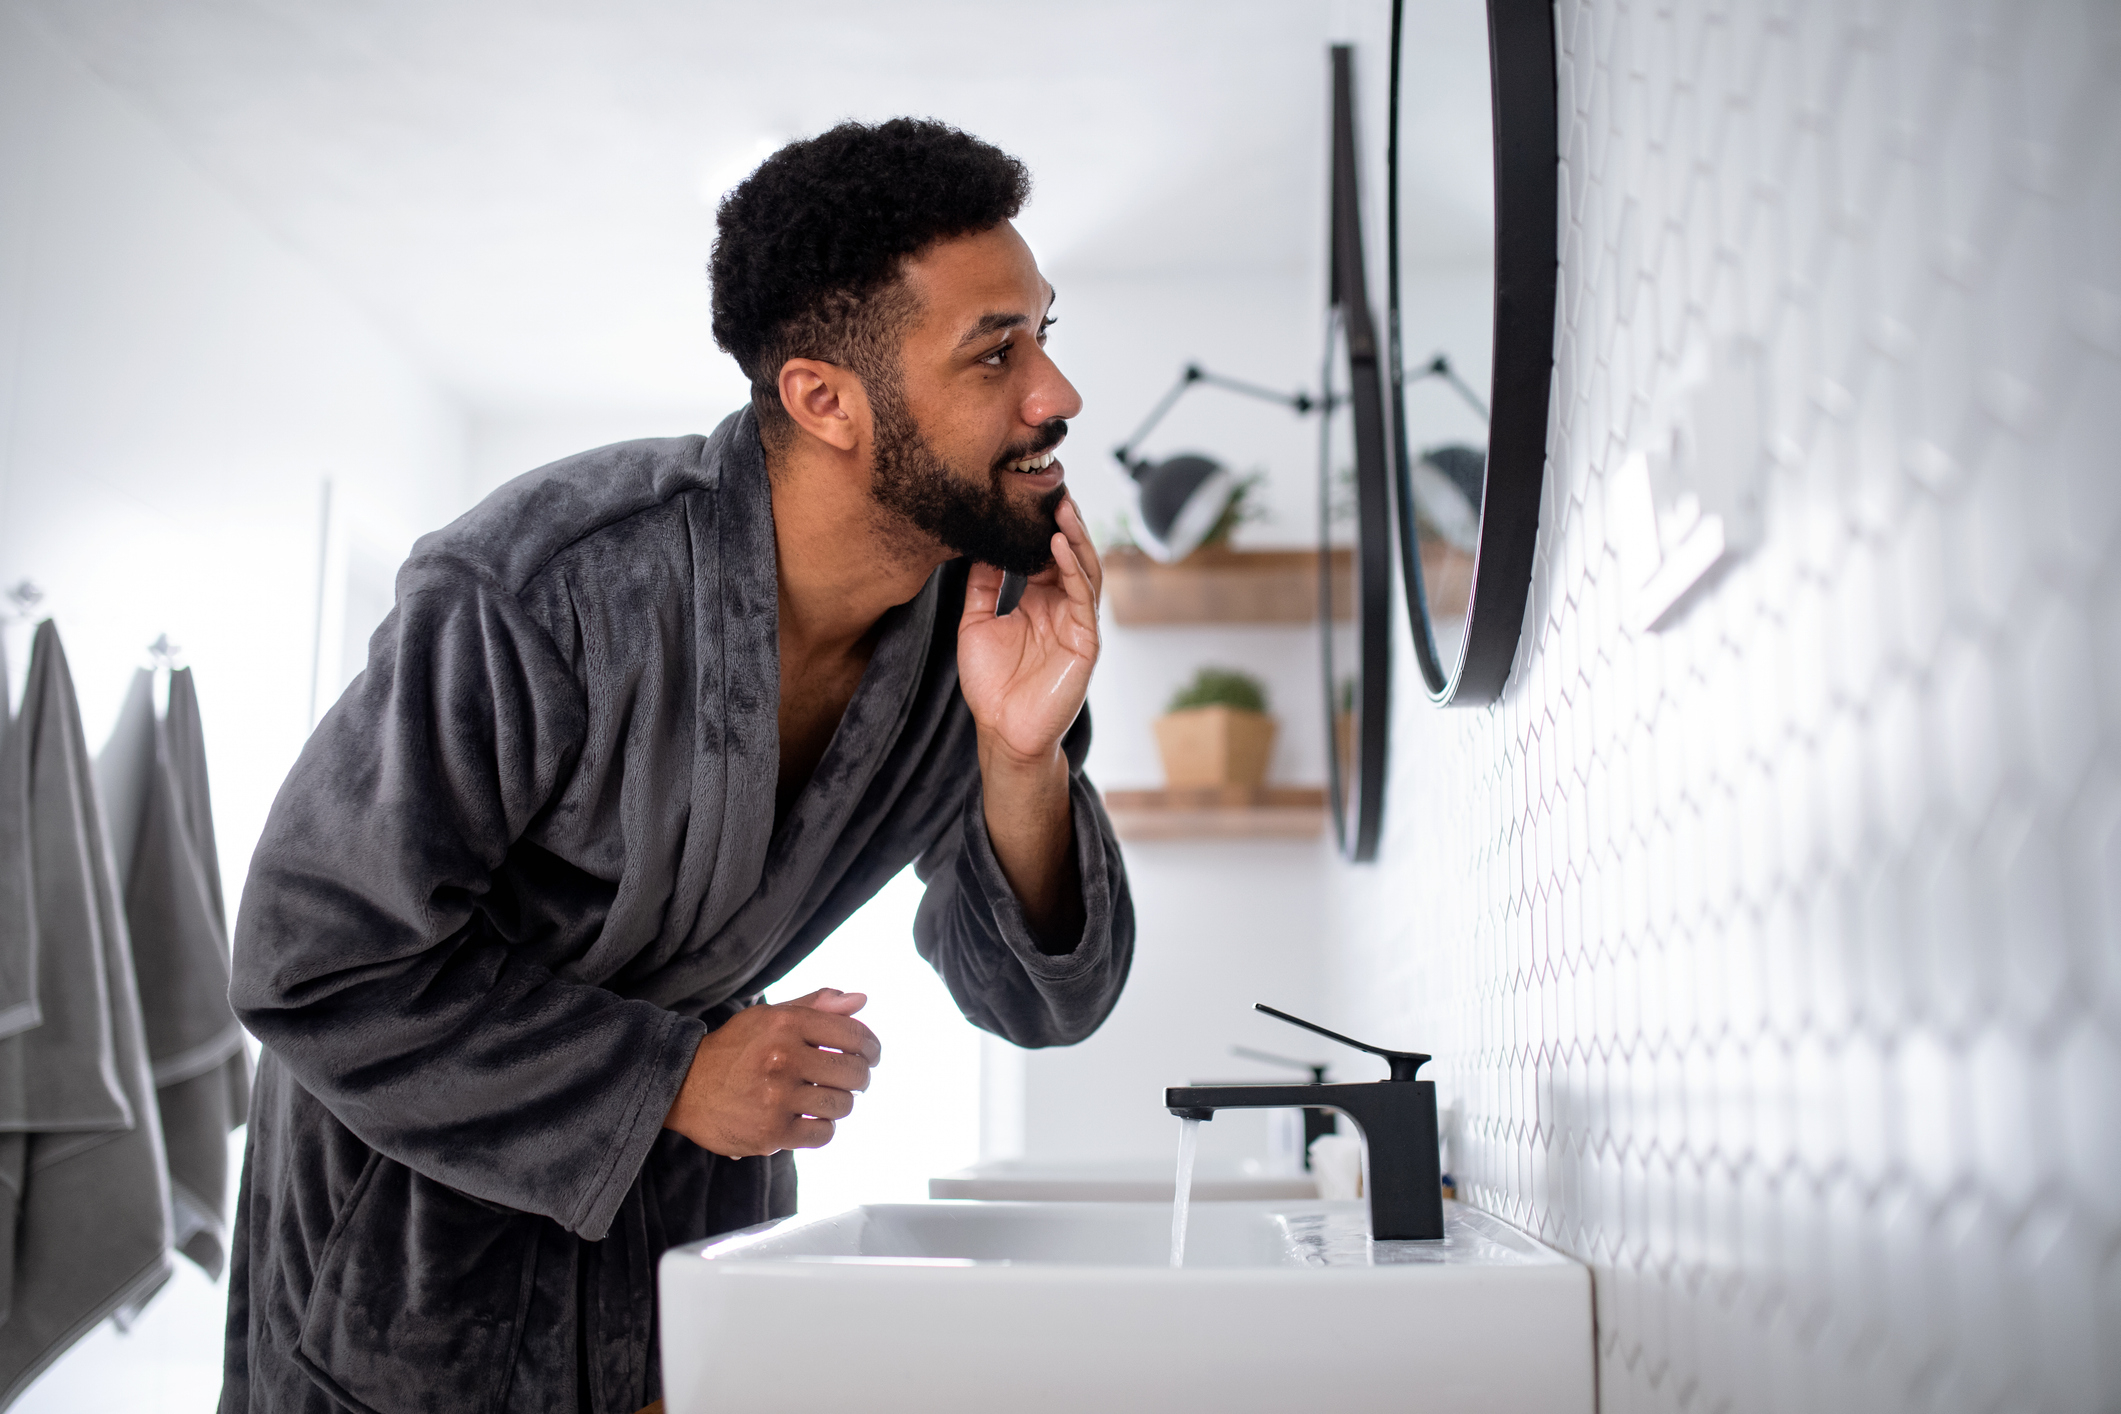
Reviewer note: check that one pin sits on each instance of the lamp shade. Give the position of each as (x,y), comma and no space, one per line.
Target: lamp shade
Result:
(1178,501)
(1447,486)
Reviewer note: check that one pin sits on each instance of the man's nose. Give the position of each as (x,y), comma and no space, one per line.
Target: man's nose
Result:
(1051,396)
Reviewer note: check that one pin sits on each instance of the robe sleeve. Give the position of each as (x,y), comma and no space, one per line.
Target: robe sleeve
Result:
(971,927)
(361,955)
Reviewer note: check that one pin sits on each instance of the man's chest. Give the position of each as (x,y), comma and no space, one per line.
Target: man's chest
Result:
(814,697)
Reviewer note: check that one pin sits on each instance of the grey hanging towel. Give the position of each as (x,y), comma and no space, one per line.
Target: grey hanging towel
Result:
(61,1076)
(180,952)
(84,1144)
(18,921)
(18,971)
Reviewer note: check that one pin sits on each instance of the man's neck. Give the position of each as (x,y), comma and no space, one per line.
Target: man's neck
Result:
(842,565)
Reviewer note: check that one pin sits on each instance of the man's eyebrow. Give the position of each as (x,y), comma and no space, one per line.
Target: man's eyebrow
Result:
(995,321)
(992,323)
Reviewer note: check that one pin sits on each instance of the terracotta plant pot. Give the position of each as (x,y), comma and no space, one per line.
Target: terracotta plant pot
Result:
(1215,748)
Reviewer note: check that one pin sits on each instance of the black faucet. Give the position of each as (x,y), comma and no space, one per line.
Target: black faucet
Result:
(1397,1118)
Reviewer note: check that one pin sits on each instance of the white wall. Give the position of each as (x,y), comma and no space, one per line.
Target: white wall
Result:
(1222,925)
(921,1114)
(1776,957)
(174,386)
(504,447)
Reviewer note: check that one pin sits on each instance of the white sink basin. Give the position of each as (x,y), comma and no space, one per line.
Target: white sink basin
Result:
(1142,1181)
(1034,1307)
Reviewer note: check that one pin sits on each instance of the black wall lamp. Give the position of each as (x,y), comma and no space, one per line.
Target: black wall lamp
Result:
(1181,498)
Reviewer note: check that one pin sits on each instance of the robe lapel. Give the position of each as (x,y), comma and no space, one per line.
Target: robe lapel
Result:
(736,734)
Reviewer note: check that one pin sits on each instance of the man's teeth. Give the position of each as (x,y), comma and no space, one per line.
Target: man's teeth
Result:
(1037,463)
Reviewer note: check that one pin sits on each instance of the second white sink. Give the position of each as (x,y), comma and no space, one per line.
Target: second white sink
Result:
(1143,1181)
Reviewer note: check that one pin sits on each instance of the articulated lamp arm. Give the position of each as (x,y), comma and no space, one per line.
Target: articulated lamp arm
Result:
(1193,373)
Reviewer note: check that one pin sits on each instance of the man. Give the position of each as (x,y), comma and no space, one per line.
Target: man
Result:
(643,728)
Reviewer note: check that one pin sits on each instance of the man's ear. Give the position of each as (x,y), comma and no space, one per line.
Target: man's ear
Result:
(826,401)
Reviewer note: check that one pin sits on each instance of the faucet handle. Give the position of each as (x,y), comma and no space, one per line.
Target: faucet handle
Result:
(1403,1063)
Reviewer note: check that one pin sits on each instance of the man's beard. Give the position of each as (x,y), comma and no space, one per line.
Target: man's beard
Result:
(982,522)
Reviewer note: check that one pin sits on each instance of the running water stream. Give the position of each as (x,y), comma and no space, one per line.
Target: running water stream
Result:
(1182,1191)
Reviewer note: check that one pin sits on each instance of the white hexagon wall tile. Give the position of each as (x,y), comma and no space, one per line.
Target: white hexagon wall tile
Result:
(1772,955)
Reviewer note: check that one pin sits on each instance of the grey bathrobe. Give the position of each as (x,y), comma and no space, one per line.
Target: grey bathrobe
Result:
(520,869)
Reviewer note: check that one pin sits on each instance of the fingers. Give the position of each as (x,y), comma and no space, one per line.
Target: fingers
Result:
(840,1033)
(821,1102)
(983,590)
(1075,580)
(814,1067)
(832,999)
(821,1019)
(776,1077)
(1070,520)
(808,1134)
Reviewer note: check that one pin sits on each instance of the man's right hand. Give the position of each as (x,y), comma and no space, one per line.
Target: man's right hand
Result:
(776,1077)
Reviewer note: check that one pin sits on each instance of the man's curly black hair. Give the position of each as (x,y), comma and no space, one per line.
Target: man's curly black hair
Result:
(808,249)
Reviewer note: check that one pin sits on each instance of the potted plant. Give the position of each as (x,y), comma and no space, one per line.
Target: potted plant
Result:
(1216,736)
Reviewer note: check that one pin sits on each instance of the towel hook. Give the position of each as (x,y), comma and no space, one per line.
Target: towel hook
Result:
(25,597)
(166,654)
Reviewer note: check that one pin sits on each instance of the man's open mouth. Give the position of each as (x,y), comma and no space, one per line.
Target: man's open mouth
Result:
(1037,463)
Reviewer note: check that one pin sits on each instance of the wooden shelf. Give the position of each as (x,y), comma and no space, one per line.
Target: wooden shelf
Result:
(1224,586)
(1447,574)
(1275,813)
(1218,585)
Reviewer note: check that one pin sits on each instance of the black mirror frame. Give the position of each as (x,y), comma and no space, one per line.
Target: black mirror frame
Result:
(1349,301)
(1521,69)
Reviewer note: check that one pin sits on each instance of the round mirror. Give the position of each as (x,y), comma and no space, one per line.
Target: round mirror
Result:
(1471,166)
(1354,494)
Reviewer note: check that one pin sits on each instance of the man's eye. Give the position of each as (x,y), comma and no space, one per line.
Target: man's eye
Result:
(999,357)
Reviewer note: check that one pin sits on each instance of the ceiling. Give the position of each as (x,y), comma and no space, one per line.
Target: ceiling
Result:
(521,191)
